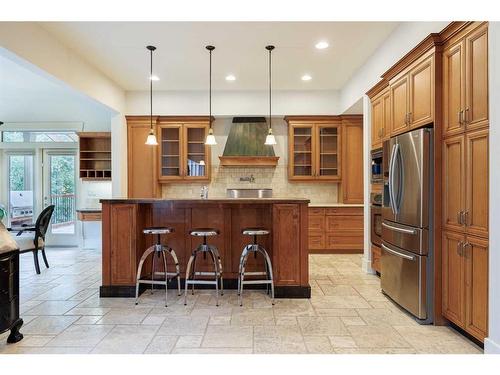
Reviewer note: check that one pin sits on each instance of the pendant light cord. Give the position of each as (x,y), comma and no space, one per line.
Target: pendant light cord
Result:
(210,91)
(151,91)
(270,97)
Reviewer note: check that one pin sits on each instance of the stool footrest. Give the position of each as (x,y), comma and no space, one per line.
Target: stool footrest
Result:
(257,282)
(154,282)
(206,273)
(168,274)
(255,273)
(208,282)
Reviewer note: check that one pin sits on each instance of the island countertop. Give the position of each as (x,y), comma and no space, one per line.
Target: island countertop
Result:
(287,244)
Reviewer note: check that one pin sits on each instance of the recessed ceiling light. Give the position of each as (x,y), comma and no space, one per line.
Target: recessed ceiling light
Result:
(230,77)
(322,45)
(306,77)
(154,78)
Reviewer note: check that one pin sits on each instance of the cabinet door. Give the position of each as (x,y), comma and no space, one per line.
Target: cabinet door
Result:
(453,88)
(386,125)
(328,152)
(477,177)
(453,283)
(316,240)
(196,158)
(301,163)
(453,182)
(286,247)
(170,152)
(421,97)
(476,78)
(399,105)
(377,122)
(352,161)
(476,282)
(142,179)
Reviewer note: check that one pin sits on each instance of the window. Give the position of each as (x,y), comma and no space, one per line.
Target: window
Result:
(39,136)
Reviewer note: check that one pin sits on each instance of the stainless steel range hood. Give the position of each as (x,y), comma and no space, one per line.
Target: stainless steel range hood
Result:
(245,144)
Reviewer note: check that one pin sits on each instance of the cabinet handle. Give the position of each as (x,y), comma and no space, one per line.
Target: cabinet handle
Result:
(466,218)
(460,121)
(460,248)
(464,248)
(459,217)
(409,117)
(406,119)
(466,115)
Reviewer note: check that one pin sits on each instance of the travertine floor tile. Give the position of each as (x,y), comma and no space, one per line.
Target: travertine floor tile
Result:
(52,308)
(379,336)
(318,345)
(126,339)
(81,335)
(125,316)
(48,325)
(161,345)
(189,342)
(321,326)
(228,337)
(183,325)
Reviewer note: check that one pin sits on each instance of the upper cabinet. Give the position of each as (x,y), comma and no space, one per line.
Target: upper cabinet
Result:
(95,155)
(182,153)
(314,149)
(465,82)
(412,95)
(381,118)
(352,159)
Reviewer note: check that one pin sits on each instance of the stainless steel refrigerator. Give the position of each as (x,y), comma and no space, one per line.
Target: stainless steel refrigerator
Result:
(407,251)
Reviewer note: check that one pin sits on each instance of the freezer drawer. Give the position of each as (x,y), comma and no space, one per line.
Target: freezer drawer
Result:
(404,279)
(406,237)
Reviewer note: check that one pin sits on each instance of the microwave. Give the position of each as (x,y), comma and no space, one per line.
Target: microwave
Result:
(376,166)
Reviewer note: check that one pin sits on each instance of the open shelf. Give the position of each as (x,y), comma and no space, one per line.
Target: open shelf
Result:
(95,156)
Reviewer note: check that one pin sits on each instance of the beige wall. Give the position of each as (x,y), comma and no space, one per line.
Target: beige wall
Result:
(274,178)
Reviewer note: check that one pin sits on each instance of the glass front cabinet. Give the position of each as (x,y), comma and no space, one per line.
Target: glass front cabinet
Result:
(182,152)
(314,150)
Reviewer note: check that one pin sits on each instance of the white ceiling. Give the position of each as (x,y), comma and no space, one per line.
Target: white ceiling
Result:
(27,95)
(181,61)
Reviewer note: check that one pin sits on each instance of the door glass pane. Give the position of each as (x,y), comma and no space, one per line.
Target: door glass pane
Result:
(170,152)
(195,152)
(20,190)
(328,141)
(62,193)
(302,151)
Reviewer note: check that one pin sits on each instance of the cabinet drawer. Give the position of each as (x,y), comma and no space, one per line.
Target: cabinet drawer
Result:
(333,211)
(89,216)
(350,242)
(376,253)
(316,211)
(316,240)
(317,223)
(344,223)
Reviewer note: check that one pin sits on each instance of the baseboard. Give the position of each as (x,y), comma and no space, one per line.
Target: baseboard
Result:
(491,347)
(366,266)
(283,291)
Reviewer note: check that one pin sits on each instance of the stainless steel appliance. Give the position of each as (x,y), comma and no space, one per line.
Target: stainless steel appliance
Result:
(376,218)
(377,165)
(407,256)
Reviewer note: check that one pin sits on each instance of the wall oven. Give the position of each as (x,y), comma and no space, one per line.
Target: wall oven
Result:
(377,172)
(376,218)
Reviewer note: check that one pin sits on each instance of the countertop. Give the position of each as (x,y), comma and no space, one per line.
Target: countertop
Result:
(207,201)
(84,210)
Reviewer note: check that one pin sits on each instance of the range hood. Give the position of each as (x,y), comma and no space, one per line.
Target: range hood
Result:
(245,144)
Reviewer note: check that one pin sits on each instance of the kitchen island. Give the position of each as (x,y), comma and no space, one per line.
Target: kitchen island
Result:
(123,242)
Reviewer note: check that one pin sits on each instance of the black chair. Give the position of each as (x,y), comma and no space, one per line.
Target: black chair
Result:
(36,243)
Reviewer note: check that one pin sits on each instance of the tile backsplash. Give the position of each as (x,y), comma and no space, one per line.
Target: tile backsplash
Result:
(275,178)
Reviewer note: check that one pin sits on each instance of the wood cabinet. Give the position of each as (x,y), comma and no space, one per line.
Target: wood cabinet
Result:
(381,118)
(465,183)
(412,96)
(95,155)
(465,282)
(314,147)
(352,160)
(182,153)
(376,254)
(336,229)
(465,82)
(141,166)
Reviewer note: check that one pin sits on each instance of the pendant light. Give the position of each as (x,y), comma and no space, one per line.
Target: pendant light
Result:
(210,137)
(270,140)
(151,140)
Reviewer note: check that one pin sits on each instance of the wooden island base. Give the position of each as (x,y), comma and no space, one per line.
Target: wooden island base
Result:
(123,242)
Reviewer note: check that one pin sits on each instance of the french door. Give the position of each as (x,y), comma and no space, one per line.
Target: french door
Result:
(59,189)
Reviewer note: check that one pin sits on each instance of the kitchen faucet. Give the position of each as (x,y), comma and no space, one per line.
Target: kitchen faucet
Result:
(250,179)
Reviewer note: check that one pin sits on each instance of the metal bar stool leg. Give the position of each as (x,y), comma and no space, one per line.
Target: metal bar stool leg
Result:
(221,272)
(242,256)
(177,269)
(164,256)
(188,270)
(216,274)
(152,272)
(242,278)
(270,267)
(139,271)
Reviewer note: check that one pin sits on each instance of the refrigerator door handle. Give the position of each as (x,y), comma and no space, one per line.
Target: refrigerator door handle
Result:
(397,253)
(401,230)
(391,172)
(398,160)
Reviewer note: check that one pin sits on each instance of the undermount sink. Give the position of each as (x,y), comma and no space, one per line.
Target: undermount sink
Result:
(249,193)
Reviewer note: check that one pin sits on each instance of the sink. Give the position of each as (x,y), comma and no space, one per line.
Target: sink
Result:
(249,193)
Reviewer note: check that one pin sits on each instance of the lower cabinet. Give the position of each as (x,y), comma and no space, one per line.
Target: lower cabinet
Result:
(465,282)
(376,254)
(336,229)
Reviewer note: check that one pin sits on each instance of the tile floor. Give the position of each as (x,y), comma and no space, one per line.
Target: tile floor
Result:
(347,313)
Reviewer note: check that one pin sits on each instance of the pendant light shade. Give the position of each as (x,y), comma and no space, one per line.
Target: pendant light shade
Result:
(151,139)
(270,139)
(210,137)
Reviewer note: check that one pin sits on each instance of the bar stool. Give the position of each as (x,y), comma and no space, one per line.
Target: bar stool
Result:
(214,254)
(160,251)
(255,248)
